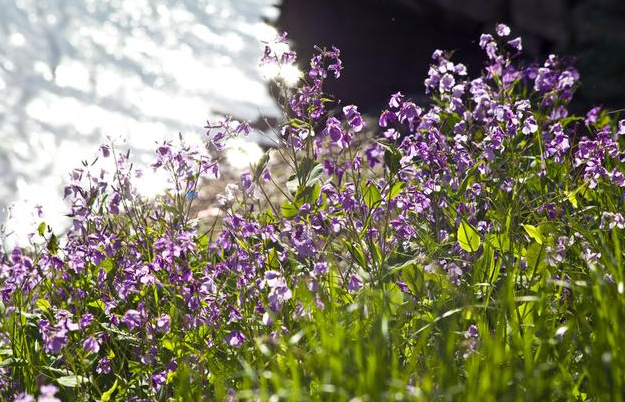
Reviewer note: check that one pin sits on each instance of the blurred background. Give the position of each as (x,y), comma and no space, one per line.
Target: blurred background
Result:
(73,72)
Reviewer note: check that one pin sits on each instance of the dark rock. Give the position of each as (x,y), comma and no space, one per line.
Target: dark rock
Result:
(387,44)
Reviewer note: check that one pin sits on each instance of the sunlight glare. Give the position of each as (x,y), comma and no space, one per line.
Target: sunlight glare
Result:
(241,153)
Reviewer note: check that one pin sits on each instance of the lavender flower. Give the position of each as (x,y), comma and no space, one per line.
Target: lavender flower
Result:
(104,366)
(472,336)
(24,397)
(163,323)
(353,118)
(529,126)
(235,339)
(47,394)
(502,30)
(132,319)
(355,283)
(91,345)
(516,44)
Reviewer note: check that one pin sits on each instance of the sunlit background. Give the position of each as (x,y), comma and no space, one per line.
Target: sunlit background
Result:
(74,72)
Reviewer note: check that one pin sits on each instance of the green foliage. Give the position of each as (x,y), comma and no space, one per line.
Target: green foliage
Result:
(478,259)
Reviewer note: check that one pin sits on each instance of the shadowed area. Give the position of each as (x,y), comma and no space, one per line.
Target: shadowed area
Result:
(386,44)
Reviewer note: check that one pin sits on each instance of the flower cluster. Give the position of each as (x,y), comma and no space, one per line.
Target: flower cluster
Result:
(489,188)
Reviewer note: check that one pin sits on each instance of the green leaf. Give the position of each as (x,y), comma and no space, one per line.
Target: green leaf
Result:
(53,244)
(169,344)
(498,241)
(43,304)
(41,229)
(468,237)
(107,395)
(356,254)
(13,362)
(120,334)
(288,209)
(371,194)
(292,184)
(534,233)
(535,257)
(99,304)
(309,171)
(392,158)
(72,381)
(314,175)
(308,194)
(260,166)
(396,189)
(107,264)
(570,195)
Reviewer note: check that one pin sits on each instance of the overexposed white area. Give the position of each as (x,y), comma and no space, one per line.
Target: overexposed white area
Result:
(73,72)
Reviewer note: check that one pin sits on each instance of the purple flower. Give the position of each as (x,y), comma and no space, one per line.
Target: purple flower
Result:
(592,115)
(549,209)
(374,153)
(491,50)
(409,111)
(386,118)
(621,127)
(454,272)
(158,380)
(302,239)
(446,83)
(267,320)
(485,39)
(266,175)
(105,150)
(104,366)
(591,257)
(502,30)
(163,323)
(24,397)
(320,268)
(529,126)
(559,144)
(47,394)
(235,339)
(246,182)
(507,185)
(91,345)
(516,44)
(617,177)
(132,319)
(395,100)
(336,223)
(354,283)
(54,338)
(334,130)
(472,335)
(353,118)
(392,134)
(611,220)
(279,291)
(86,320)
(403,286)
